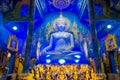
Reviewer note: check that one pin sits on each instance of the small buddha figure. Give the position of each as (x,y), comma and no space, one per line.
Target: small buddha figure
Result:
(48,77)
(75,72)
(62,74)
(48,73)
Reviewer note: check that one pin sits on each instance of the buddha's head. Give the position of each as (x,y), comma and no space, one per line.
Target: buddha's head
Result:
(61,23)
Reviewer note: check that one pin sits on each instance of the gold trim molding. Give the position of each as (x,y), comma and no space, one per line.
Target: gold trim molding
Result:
(12,43)
(110,42)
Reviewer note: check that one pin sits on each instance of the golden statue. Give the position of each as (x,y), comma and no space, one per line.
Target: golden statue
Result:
(62,75)
(75,73)
(48,75)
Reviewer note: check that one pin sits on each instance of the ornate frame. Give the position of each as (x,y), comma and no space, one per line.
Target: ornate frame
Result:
(10,39)
(110,42)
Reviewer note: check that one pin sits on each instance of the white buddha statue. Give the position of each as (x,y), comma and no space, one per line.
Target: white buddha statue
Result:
(60,40)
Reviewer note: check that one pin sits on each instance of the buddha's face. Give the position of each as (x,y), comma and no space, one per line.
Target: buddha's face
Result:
(61,25)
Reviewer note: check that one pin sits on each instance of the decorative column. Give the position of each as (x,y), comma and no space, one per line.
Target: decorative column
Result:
(112,62)
(94,35)
(1,24)
(11,63)
(29,37)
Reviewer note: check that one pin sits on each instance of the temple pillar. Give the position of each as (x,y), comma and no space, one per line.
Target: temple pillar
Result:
(29,37)
(11,63)
(112,61)
(94,35)
(1,17)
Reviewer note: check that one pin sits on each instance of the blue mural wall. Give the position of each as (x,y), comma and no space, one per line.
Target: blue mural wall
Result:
(4,33)
(103,30)
(21,32)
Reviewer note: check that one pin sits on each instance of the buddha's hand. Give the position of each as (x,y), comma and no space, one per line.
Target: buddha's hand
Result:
(44,51)
(68,48)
